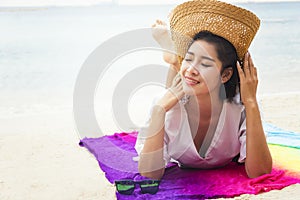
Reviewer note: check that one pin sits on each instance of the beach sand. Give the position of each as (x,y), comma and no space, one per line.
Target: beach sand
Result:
(41,159)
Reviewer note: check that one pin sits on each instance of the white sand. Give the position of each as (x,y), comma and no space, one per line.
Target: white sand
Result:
(40,157)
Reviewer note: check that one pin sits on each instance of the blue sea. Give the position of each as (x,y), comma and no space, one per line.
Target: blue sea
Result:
(42,49)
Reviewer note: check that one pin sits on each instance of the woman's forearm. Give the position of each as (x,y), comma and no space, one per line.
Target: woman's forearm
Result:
(258,157)
(173,71)
(151,162)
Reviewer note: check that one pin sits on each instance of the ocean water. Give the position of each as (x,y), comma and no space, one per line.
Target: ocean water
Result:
(44,48)
(42,51)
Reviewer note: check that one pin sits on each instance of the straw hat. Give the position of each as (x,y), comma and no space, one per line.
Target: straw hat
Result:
(233,23)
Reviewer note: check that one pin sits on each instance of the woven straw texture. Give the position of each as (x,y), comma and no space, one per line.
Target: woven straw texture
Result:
(233,23)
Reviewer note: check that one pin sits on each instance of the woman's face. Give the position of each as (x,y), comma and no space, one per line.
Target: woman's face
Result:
(200,69)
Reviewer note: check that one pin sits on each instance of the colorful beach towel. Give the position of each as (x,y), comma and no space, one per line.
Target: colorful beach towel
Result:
(114,154)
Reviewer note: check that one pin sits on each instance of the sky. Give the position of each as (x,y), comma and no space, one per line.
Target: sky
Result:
(32,3)
(29,3)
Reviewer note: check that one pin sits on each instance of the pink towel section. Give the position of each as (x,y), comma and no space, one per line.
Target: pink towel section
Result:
(114,154)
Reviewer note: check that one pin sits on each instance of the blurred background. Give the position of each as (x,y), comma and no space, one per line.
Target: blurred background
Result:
(43,45)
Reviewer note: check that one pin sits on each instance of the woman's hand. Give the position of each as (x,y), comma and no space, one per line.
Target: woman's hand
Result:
(248,80)
(258,158)
(173,95)
(161,34)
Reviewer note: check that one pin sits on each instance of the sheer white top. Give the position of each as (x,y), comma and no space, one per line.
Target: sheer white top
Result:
(228,140)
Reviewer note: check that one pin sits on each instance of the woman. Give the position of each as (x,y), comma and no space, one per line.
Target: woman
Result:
(199,121)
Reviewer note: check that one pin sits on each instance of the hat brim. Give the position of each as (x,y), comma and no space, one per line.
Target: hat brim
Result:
(235,24)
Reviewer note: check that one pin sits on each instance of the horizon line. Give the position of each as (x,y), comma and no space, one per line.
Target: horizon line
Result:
(116,3)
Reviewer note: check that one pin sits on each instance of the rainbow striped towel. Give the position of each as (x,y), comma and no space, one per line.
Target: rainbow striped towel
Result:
(114,154)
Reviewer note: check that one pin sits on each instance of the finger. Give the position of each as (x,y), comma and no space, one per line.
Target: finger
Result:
(246,65)
(255,72)
(251,65)
(240,70)
(179,87)
(177,79)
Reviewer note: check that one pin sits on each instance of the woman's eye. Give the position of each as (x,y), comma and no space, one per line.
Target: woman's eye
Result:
(206,65)
(188,59)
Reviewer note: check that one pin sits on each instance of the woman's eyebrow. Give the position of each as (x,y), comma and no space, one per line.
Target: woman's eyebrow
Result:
(191,53)
(208,58)
(202,57)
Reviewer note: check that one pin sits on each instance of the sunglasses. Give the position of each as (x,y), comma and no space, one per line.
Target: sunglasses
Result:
(128,186)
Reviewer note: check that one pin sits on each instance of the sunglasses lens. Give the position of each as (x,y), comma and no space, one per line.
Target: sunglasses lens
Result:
(149,186)
(125,187)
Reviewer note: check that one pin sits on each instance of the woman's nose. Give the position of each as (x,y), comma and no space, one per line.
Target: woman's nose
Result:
(192,70)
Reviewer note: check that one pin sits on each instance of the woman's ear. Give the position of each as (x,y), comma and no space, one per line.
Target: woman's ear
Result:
(226,75)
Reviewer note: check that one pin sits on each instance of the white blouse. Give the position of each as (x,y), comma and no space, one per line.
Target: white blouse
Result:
(228,141)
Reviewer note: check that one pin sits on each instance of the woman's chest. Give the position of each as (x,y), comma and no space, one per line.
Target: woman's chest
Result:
(202,129)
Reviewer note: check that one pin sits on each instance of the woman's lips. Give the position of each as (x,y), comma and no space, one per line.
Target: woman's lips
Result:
(191,81)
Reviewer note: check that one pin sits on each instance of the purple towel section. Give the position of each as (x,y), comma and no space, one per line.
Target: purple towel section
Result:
(114,154)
